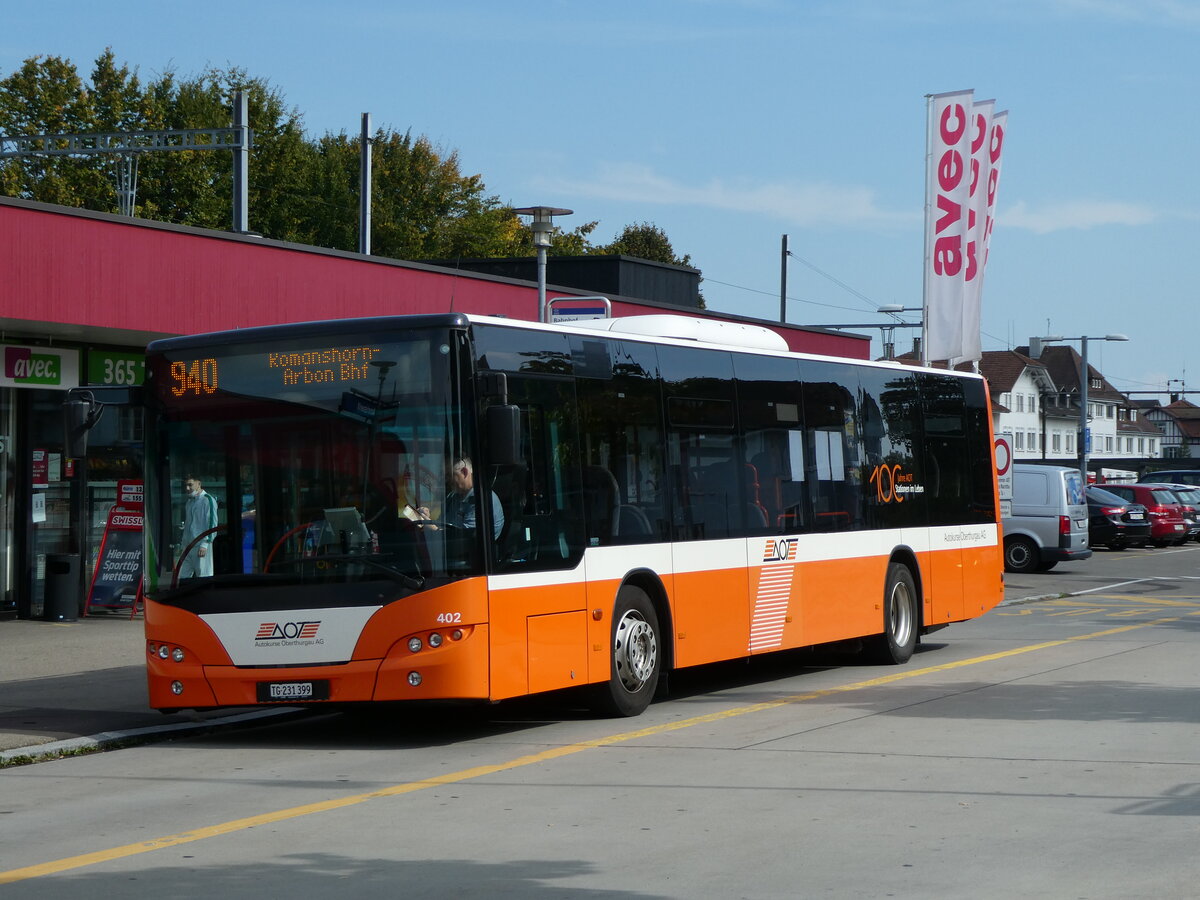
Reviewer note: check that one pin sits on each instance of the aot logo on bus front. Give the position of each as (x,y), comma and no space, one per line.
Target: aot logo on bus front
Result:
(287,631)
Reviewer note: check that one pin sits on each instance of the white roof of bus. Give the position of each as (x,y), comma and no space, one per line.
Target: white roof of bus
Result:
(691,330)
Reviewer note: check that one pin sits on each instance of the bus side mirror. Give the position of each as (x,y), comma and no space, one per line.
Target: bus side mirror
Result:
(79,415)
(504,435)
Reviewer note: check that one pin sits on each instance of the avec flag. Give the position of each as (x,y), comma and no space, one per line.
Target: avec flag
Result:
(965,140)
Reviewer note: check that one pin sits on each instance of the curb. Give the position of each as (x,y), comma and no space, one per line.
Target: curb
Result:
(106,739)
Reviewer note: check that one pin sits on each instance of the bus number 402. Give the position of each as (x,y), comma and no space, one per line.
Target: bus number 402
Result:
(449,618)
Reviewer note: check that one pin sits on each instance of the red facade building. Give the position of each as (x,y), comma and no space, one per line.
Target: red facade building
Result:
(81,293)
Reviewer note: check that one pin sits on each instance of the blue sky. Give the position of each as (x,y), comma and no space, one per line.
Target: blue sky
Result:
(731,122)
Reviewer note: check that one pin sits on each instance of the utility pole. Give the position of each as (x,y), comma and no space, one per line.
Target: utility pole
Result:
(783,256)
(364,187)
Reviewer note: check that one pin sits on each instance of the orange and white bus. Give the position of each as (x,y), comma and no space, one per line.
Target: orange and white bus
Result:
(464,507)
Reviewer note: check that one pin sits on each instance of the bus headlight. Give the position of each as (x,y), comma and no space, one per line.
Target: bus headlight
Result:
(414,678)
(414,646)
(435,640)
(177,654)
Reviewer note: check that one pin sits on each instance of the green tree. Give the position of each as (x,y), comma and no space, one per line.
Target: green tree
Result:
(196,187)
(646,241)
(300,189)
(47,96)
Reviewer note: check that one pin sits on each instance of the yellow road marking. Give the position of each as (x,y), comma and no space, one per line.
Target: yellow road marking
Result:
(295,812)
(1152,601)
(1077,612)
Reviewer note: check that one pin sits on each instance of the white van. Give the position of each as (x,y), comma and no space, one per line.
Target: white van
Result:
(1049,520)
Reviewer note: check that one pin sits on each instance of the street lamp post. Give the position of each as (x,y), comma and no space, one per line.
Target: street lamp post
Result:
(894,309)
(1083,389)
(543,230)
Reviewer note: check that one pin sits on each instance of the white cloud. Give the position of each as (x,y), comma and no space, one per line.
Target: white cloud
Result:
(1079,214)
(1161,12)
(797,203)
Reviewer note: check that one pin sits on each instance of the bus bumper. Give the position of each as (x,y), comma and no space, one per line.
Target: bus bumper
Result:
(457,669)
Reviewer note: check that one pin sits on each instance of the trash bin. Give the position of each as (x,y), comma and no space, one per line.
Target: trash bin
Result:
(61,602)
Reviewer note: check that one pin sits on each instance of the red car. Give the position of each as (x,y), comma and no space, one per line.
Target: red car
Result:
(1188,496)
(1167,525)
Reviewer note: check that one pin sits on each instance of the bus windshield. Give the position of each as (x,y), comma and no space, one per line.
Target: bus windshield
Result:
(322,459)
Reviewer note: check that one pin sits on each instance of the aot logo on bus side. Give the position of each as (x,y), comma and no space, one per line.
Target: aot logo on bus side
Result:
(783,550)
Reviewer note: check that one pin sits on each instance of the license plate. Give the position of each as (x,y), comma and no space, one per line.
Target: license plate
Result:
(1136,517)
(285,691)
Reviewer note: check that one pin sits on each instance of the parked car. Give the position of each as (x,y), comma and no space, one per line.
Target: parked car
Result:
(1189,500)
(1115,522)
(1172,476)
(1048,522)
(1166,515)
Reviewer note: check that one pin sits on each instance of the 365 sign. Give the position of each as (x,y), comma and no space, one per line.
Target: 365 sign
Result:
(116,367)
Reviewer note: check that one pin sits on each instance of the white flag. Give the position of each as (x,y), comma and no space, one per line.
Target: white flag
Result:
(995,149)
(981,129)
(947,204)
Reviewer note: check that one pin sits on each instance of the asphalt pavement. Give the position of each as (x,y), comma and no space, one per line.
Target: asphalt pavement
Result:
(75,686)
(72,686)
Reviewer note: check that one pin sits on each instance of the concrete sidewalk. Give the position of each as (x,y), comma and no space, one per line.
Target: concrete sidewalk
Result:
(77,685)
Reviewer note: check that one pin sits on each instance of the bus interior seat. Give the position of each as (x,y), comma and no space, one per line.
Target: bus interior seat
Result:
(632,522)
(601,496)
(770,485)
(713,501)
(508,484)
(756,513)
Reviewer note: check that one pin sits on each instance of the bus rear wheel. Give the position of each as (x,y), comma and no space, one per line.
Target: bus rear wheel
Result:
(636,656)
(900,618)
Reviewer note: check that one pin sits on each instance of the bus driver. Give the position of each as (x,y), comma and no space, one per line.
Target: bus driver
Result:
(459,506)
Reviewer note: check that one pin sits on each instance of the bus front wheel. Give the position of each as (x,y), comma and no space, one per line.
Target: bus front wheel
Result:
(636,656)
(900,617)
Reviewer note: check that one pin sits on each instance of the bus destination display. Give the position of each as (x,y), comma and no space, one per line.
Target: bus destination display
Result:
(330,365)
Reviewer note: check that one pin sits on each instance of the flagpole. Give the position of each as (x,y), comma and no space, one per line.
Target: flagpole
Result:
(926,262)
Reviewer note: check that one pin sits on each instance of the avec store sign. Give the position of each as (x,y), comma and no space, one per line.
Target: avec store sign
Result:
(39,367)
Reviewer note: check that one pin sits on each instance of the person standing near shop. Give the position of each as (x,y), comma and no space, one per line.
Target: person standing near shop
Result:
(199,518)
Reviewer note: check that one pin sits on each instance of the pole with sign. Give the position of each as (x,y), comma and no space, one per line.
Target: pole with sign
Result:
(1004,460)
